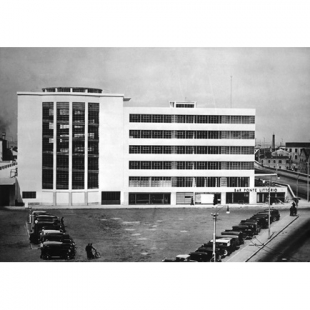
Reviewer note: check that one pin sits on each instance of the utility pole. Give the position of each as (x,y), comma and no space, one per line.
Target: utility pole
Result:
(308,180)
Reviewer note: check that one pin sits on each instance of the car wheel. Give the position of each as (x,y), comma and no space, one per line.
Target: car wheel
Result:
(225,253)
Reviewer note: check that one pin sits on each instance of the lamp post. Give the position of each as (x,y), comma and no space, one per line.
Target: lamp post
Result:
(215,215)
(269,190)
(308,180)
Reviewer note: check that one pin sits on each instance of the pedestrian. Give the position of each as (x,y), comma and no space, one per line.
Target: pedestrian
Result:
(62,221)
(296,201)
(89,251)
(293,210)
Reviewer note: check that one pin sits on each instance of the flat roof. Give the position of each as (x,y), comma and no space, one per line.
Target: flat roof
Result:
(7,181)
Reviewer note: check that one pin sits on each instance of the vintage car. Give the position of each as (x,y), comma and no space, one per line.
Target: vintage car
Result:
(39,226)
(208,248)
(274,213)
(35,214)
(238,234)
(262,219)
(247,231)
(234,240)
(54,235)
(58,249)
(225,244)
(204,256)
(266,213)
(253,224)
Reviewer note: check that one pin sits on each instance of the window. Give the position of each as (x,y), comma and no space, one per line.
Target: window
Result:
(29,195)
(134,165)
(146,118)
(146,134)
(134,118)
(77,179)
(134,149)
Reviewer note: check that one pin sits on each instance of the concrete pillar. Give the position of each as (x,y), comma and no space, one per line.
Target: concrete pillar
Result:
(223,198)
(173,199)
(124,198)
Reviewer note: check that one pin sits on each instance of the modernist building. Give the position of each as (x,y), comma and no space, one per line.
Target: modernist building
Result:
(81,146)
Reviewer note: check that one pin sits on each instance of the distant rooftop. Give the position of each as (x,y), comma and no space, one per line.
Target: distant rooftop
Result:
(71,90)
(298,144)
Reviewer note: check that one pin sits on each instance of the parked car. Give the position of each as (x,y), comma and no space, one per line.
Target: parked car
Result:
(208,248)
(233,239)
(245,229)
(238,234)
(204,256)
(181,258)
(274,213)
(225,244)
(253,224)
(35,214)
(272,218)
(262,219)
(37,228)
(54,235)
(51,249)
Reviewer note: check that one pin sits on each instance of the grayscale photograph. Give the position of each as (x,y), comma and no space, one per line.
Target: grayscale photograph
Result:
(139,136)
(154,155)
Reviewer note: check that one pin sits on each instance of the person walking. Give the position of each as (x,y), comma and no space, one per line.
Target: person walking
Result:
(89,251)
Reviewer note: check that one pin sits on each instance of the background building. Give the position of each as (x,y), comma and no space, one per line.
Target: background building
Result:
(80,146)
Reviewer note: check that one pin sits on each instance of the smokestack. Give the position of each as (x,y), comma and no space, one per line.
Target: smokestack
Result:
(273,143)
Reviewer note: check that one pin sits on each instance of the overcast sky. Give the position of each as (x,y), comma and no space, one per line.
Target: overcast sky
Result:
(274,81)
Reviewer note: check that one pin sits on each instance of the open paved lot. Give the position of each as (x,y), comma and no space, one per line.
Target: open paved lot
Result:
(123,235)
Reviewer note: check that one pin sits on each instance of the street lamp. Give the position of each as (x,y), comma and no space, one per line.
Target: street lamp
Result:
(308,163)
(215,215)
(269,190)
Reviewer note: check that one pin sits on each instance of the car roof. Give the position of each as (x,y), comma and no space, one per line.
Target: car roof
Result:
(51,231)
(183,256)
(52,243)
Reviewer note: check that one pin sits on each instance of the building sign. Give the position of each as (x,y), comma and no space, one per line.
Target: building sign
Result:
(258,190)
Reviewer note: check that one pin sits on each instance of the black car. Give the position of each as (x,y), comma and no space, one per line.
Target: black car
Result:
(203,256)
(208,248)
(58,249)
(253,224)
(262,219)
(274,213)
(245,229)
(266,213)
(234,240)
(238,234)
(36,230)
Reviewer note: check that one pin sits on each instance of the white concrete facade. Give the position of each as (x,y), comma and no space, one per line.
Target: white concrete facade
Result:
(115,158)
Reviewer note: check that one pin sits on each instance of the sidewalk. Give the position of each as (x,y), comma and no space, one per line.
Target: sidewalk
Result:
(251,248)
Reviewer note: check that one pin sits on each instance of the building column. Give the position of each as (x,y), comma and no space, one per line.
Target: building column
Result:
(173,198)
(223,198)
(124,198)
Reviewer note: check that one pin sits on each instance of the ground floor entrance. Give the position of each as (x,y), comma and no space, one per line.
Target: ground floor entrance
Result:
(240,198)
(274,197)
(149,198)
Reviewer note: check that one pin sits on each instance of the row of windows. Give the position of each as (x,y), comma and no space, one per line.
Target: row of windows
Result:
(78,109)
(190,134)
(190,165)
(62,179)
(78,162)
(188,181)
(62,145)
(191,119)
(182,149)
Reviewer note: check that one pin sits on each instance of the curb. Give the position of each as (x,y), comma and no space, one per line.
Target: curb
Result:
(272,238)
